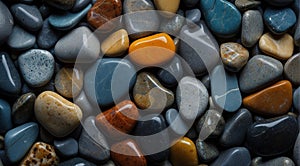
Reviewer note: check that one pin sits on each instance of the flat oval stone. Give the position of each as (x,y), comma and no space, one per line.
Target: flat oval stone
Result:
(6,23)
(18,141)
(66,148)
(61,4)
(184,152)
(57,115)
(281,47)
(259,72)
(79,45)
(5,117)
(37,67)
(279,3)
(245,5)
(233,156)
(252,27)
(279,21)
(227,25)
(296,99)
(176,123)
(9,76)
(22,110)
(292,68)
(48,36)
(207,152)
(167,6)
(273,162)
(76,161)
(272,101)
(28,16)
(191,97)
(115,44)
(193,15)
(152,50)
(263,141)
(234,56)
(79,5)
(127,152)
(20,39)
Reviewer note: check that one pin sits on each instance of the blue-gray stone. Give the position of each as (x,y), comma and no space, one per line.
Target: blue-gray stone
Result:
(4,158)
(297,33)
(193,15)
(279,3)
(176,123)
(28,16)
(48,36)
(6,22)
(296,99)
(228,24)
(233,156)
(172,25)
(108,80)
(225,90)
(245,5)
(206,81)
(85,105)
(22,110)
(37,67)
(279,161)
(296,7)
(48,87)
(76,162)
(66,148)
(207,152)
(190,3)
(20,39)
(172,73)
(292,68)
(279,21)
(5,117)
(19,140)
(45,10)
(80,5)
(296,154)
(67,20)
(10,82)
(260,72)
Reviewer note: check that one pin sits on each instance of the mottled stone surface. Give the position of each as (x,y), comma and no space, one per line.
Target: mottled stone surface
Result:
(184,152)
(22,110)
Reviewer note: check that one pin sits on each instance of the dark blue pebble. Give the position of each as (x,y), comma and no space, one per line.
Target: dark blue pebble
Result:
(48,36)
(5,117)
(66,148)
(172,73)
(20,39)
(80,4)
(6,22)
(233,156)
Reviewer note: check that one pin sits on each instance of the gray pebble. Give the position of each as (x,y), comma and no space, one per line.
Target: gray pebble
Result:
(280,161)
(6,22)
(292,68)
(206,151)
(20,39)
(244,5)
(193,15)
(48,36)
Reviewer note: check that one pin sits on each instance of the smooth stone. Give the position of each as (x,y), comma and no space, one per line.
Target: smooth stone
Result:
(127,152)
(18,141)
(259,72)
(292,68)
(45,10)
(234,56)
(20,39)
(37,67)
(235,129)
(28,16)
(6,23)
(115,44)
(168,8)
(296,150)
(78,46)
(9,76)
(80,5)
(184,152)
(193,15)
(85,105)
(296,99)
(207,152)
(172,25)
(199,48)
(245,5)
(66,148)
(192,134)
(108,80)
(252,27)
(56,114)
(280,20)
(297,34)
(191,97)
(177,124)
(233,156)
(273,162)
(272,101)
(149,94)
(227,97)
(171,74)
(48,36)
(5,117)
(61,4)
(69,82)
(279,3)
(227,25)
(281,47)
(76,161)
(206,81)
(190,3)
(22,109)
(263,141)
(67,20)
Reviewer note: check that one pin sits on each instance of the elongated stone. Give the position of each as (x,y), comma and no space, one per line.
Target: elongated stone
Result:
(116,44)
(233,156)
(252,27)
(292,68)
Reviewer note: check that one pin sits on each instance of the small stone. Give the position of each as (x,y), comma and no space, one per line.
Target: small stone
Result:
(184,152)
(172,25)
(272,101)
(207,152)
(279,3)
(297,34)
(5,117)
(80,4)
(233,156)
(20,39)
(296,99)
(116,44)
(176,123)
(76,161)
(281,47)
(292,68)
(167,7)
(273,162)
(48,36)
(193,15)
(66,148)
(22,110)
(245,5)
(6,23)
(56,114)
(61,4)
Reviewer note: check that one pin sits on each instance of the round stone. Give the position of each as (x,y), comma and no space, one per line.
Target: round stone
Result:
(292,68)
(245,5)
(168,7)
(184,152)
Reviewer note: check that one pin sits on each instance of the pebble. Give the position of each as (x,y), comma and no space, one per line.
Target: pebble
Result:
(206,81)
(6,23)
(184,152)
(85,105)
(61,4)
(66,148)
(111,79)
(80,5)
(22,110)
(259,72)
(9,76)
(48,36)
(292,68)
(127,152)
(278,47)
(67,20)
(37,67)
(191,97)
(297,34)
(279,161)
(296,99)
(252,27)
(280,20)
(193,15)
(171,74)
(279,3)
(235,129)
(226,26)
(76,161)
(233,156)
(115,44)
(168,8)
(272,101)
(5,117)
(207,152)
(172,25)
(234,56)
(79,45)
(48,87)
(28,16)
(245,5)
(177,124)
(263,141)
(18,141)
(20,39)
(296,150)
(56,114)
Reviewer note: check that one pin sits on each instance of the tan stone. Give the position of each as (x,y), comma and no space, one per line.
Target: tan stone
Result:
(167,6)
(115,44)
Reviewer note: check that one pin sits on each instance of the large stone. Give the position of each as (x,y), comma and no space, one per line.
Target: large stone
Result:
(22,110)
(233,156)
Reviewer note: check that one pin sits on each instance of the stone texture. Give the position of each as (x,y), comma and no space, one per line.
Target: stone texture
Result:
(66,148)
(184,152)
(22,110)
(233,156)
(193,15)
(296,99)
(76,161)
(6,23)
(177,124)
(207,152)
(20,39)
(5,117)
(115,44)
(279,161)
(47,36)
(296,150)
(292,68)
(245,5)
(79,5)
(167,7)
(172,25)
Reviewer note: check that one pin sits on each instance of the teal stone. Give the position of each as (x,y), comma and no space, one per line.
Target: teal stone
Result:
(222,17)
(19,140)
(5,117)
(67,20)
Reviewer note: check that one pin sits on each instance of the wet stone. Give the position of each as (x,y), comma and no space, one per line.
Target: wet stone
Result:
(206,151)
(6,23)
(258,161)
(80,4)
(296,99)
(20,39)
(172,25)
(233,156)
(76,161)
(176,123)
(5,117)
(22,110)
(193,15)
(66,148)
(245,5)
(292,68)
(48,36)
